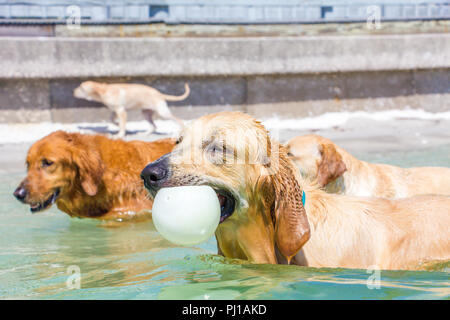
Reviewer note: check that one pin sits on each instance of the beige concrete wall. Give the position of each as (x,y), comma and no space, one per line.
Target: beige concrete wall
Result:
(288,76)
(35,57)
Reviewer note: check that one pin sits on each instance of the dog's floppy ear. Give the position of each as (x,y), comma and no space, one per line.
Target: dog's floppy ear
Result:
(331,165)
(291,224)
(90,167)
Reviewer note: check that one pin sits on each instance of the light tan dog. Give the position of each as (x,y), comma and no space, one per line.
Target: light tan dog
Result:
(337,171)
(120,97)
(264,220)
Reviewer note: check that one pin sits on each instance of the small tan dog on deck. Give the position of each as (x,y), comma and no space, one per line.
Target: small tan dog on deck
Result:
(120,97)
(270,215)
(337,171)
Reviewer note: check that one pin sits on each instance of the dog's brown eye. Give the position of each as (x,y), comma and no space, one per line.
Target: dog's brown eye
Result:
(179,140)
(216,150)
(216,154)
(46,163)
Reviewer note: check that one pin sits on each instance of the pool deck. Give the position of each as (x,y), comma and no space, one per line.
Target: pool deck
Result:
(356,135)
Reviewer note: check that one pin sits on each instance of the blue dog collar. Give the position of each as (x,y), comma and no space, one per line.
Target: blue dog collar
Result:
(303,197)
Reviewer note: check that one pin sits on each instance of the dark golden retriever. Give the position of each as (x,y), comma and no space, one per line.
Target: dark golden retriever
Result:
(269,214)
(89,175)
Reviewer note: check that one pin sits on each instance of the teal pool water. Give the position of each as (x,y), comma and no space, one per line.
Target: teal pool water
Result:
(37,253)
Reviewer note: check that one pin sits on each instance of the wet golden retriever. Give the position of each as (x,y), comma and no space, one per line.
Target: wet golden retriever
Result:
(120,97)
(337,171)
(264,220)
(89,176)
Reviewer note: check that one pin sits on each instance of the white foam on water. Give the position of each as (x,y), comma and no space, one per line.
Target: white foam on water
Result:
(29,132)
(332,119)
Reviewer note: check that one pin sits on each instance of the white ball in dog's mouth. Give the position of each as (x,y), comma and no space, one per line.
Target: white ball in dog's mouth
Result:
(186,215)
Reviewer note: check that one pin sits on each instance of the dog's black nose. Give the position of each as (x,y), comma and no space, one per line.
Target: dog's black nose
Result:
(155,173)
(20,193)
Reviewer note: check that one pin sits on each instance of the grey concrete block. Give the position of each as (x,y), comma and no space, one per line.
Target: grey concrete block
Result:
(431,81)
(25,115)
(81,114)
(24,94)
(432,102)
(23,101)
(285,88)
(378,84)
(205,91)
(334,86)
(118,57)
(191,112)
(283,95)
(27,30)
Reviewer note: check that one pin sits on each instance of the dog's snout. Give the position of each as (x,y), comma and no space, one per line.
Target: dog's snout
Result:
(155,173)
(20,193)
